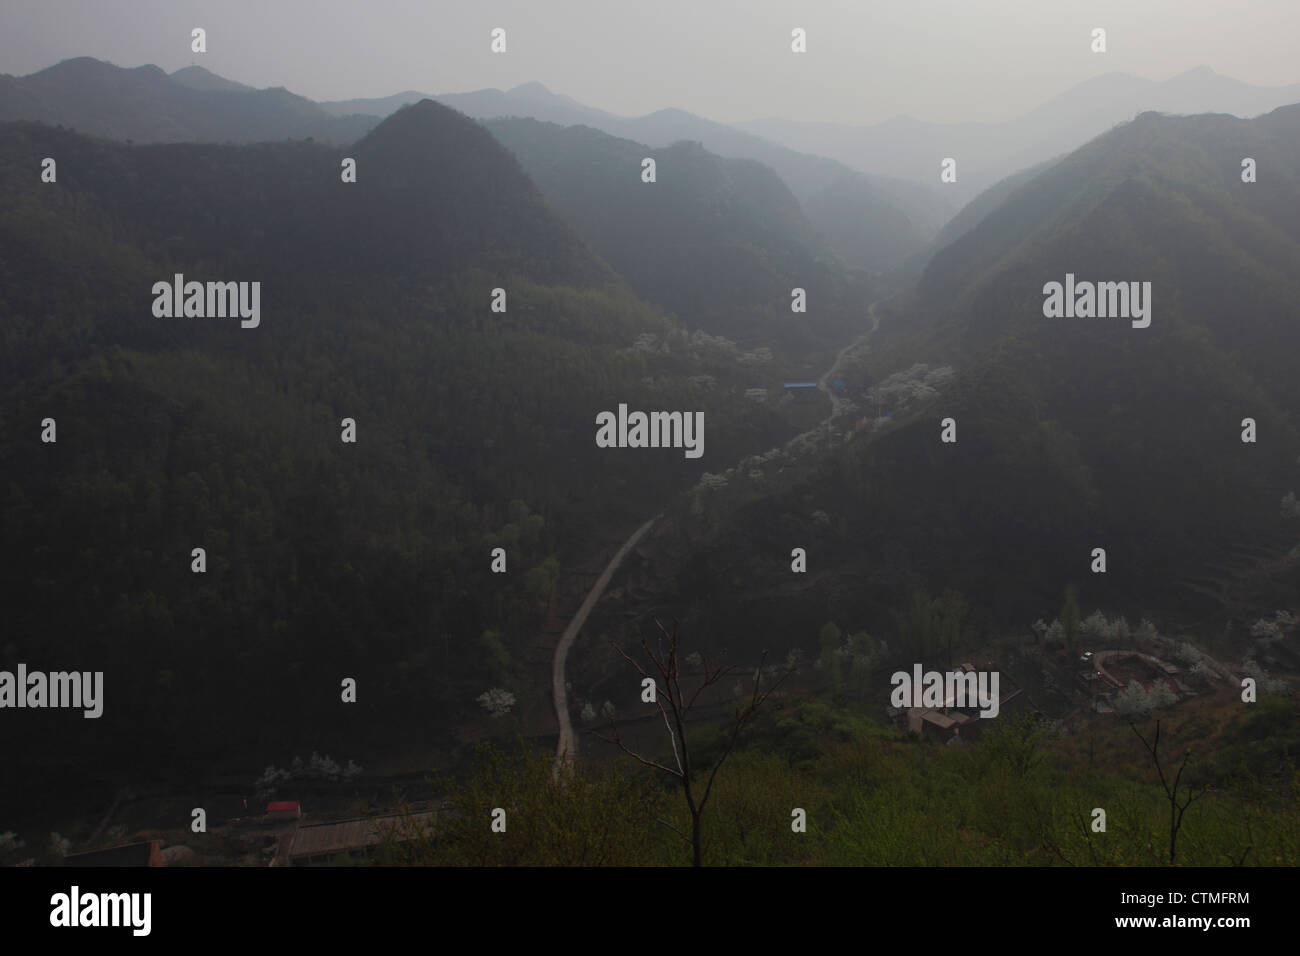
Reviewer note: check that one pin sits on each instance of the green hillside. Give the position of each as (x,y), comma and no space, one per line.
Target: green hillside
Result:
(719,242)
(1072,434)
(325,560)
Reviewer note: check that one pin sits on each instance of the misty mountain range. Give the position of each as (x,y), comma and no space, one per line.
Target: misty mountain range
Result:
(988,152)
(901,148)
(871,193)
(476,425)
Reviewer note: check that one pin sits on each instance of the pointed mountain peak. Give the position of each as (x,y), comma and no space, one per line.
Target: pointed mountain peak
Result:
(424,114)
(419,131)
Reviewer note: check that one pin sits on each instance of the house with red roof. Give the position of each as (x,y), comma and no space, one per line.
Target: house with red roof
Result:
(284,810)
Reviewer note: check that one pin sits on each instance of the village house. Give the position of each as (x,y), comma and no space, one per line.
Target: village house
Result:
(284,810)
(145,853)
(361,836)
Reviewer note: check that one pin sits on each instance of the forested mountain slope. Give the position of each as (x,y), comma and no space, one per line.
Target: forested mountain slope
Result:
(720,242)
(324,559)
(1071,433)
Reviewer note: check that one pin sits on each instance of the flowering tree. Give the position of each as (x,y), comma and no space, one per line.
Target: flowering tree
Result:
(317,768)
(1272,629)
(1133,701)
(497,702)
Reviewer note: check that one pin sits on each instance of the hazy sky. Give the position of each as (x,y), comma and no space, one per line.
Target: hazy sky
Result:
(867,60)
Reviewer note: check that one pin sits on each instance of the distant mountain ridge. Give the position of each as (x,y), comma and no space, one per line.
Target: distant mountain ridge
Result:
(988,152)
(196,77)
(527,100)
(871,222)
(888,174)
(146,105)
(870,194)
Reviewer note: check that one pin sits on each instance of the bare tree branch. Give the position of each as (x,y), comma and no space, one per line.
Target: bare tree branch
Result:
(674,829)
(756,701)
(664,658)
(1176,809)
(618,742)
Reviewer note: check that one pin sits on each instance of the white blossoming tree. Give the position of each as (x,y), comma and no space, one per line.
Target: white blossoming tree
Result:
(497,701)
(1134,701)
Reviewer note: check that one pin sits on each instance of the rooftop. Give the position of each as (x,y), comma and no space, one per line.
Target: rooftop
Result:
(327,839)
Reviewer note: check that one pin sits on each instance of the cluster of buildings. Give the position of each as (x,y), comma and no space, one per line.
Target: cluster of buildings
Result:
(953,724)
(306,844)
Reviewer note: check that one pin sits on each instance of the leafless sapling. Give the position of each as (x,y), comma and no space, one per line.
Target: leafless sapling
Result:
(664,670)
(1176,807)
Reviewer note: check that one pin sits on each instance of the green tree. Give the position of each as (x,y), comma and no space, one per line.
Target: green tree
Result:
(863,654)
(1069,617)
(952,609)
(829,658)
(570,816)
(918,625)
(542,580)
(1016,743)
(497,657)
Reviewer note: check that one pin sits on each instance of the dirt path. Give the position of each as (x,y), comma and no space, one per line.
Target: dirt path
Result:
(568,743)
(567,746)
(837,403)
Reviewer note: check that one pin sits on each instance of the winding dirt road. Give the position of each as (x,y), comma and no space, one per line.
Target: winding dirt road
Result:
(568,743)
(567,746)
(837,403)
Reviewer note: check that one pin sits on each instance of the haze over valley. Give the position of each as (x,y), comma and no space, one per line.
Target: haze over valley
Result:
(349,441)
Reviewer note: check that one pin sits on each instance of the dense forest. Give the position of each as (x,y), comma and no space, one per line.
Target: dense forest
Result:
(325,559)
(1071,434)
